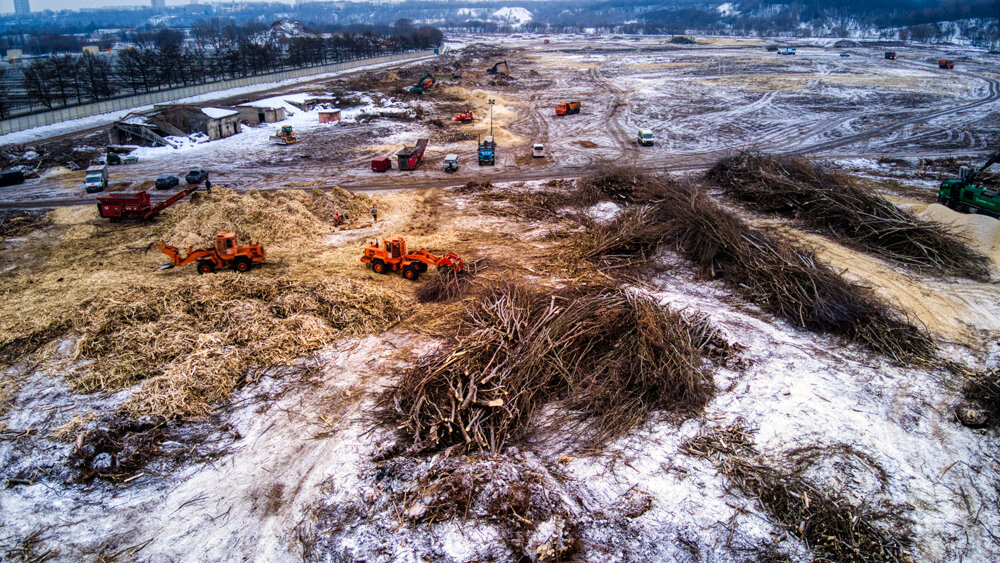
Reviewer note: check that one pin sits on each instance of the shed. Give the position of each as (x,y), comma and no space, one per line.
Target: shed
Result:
(329,116)
(261,112)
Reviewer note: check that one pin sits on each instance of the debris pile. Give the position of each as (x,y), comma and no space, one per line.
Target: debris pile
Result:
(837,204)
(833,527)
(448,284)
(609,356)
(192,343)
(765,268)
(262,216)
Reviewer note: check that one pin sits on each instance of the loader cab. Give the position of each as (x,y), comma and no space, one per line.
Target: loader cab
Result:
(396,248)
(225,243)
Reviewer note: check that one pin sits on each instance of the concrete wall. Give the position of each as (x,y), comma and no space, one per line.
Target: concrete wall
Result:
(131,102)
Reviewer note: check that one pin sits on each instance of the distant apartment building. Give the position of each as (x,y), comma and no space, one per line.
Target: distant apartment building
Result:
(159,5)
(22,7)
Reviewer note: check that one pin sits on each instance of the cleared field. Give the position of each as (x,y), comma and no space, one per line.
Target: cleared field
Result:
(635,366)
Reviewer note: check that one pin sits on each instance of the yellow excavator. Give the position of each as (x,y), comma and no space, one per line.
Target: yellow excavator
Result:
(284,137)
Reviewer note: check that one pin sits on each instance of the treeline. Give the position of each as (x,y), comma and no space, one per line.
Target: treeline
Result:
(66,80)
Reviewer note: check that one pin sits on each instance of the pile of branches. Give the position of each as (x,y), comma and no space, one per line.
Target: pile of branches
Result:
(610,357)
(765,268)
(829,524)
(447,284)
(621,184)
(535,205)
(837,204)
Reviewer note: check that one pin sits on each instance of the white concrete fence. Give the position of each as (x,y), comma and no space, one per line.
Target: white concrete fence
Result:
(163,96)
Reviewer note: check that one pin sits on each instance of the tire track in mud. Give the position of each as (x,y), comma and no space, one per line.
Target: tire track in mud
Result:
(613,120)
(993,89)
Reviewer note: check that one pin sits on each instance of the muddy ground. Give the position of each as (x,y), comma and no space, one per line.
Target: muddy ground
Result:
(289,460)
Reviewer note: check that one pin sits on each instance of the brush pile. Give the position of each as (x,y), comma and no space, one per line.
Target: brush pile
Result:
(536,205)
(447,284)
(264,217)
(837,204)
(193,343)
(609,356)
(829,524)
(621,184)
(765,268)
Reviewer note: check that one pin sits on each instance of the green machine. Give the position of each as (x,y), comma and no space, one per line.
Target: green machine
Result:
(964,195)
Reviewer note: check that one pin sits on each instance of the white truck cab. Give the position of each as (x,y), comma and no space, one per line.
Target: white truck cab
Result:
(645,137)
(451,163)
(537,151)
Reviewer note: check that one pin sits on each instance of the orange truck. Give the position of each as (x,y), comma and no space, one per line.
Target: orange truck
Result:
(390,255)
(225,254)
(945,63)
(567,108)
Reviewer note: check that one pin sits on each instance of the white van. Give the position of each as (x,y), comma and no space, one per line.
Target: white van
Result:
(537,151)
(645,137)
(97,178)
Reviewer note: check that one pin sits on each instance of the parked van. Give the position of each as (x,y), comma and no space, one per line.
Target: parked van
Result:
(97,178)
(537,151)
(451,163)
(645,137)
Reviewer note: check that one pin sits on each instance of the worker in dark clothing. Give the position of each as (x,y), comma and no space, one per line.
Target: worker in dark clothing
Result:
(374,214)
(208,185)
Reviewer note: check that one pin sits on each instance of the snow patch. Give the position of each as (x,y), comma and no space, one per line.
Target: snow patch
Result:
(219,113)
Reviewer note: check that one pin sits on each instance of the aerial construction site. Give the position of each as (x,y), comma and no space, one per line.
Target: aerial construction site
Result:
(536,298)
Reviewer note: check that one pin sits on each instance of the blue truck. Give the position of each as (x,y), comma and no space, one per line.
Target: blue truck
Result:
(487,151)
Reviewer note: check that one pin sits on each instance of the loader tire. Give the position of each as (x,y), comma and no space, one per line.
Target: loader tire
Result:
(205,267)
(378,267)
(421,267)
(411,273)
(241,265)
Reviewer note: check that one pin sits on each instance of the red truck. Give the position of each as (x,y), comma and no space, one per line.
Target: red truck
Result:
(136,205)
(410,157)
(945,63)
(567,108)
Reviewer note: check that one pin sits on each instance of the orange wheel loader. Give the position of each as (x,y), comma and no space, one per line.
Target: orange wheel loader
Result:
(390,255)
(225,254)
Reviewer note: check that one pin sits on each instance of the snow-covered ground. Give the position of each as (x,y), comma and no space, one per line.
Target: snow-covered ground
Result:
(294,452)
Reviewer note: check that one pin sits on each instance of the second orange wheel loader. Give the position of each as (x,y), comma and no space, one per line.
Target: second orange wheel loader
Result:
(225,254)
(390,255)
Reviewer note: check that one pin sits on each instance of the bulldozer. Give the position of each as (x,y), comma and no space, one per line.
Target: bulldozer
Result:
(225,254)
(495,69)
(390,255)
(964,195)
(286,136)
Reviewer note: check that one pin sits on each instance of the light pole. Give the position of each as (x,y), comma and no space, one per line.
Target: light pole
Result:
(491,102)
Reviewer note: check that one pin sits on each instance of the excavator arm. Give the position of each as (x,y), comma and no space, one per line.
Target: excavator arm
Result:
(992,160)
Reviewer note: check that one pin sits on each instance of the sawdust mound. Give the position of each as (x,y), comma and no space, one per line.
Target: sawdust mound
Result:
(839,205)
(192,342)
(781,277)
(982,231)
(610,356)
(261,216)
